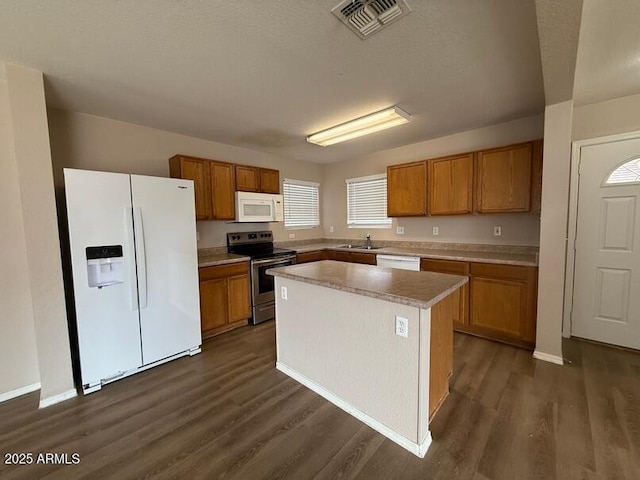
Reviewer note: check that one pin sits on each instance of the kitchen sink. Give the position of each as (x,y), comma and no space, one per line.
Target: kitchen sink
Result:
(362,247)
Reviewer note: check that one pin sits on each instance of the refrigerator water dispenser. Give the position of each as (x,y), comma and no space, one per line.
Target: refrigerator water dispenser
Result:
(105,265)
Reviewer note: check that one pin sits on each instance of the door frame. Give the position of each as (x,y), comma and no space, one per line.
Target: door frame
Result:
(572,225)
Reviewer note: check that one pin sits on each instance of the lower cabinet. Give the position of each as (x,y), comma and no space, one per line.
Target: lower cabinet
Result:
(498,303)
(225,297)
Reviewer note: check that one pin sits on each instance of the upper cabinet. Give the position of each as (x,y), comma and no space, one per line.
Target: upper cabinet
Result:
(198,170)
(215,184)
(506,179)
(247,178)
(503,179)
(269,180)
(254,179)
(407,189)
(450,185)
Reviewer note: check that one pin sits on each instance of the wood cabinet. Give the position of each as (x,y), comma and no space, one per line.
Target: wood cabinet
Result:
(314,256)
(450,182)
(503,179)
(503,302)
(441,351)
(225,297)
(197,170)
(223,196)
(461,296)
(247,178)
(498,303)
(407,189)
(214,185)
(254,179)
(353,257)
(269,180)
(536,176)
(339,256)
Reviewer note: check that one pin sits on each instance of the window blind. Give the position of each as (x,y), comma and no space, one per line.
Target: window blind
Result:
(367,202)
(301,204)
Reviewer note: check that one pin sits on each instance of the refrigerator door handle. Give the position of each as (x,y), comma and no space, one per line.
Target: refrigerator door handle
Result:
(131,265)
(141,259)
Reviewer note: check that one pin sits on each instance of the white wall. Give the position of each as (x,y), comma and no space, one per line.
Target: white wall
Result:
(517,229)
(553,229)
(95,143)
(35,181)
(620,115)
(18,352)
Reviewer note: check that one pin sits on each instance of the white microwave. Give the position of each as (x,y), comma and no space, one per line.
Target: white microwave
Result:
(259,207)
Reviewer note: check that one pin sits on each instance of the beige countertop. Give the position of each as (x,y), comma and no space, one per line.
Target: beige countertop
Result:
(213,259)
(524,259)
(417,289)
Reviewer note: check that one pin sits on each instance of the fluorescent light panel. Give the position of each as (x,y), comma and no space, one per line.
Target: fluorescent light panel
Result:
(360,126)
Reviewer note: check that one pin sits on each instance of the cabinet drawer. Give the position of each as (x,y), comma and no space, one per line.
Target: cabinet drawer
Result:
(445,266)
(508,272)
(223,271)
(311,256)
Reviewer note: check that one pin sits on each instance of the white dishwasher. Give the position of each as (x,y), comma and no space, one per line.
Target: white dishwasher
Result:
(398,261)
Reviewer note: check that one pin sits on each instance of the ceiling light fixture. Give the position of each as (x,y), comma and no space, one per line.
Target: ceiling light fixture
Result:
(374,122)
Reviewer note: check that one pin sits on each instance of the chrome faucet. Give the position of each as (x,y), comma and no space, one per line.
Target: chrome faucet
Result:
(368,242)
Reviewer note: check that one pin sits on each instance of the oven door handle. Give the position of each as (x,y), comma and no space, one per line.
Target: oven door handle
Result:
(273,261)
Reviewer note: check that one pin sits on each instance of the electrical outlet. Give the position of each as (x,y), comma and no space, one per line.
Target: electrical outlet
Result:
(402,326)
(283,292)
(400,230)
(497,230)
(435,230)
(292,235)
(331,229)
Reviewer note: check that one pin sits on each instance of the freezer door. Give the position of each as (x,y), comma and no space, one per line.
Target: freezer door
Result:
(104,275)
(165,232)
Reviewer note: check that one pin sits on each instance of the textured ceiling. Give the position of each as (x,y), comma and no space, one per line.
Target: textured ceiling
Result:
(608,64)
(263,75)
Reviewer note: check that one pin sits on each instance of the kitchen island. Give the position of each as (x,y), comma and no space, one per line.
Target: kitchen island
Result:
(377,342)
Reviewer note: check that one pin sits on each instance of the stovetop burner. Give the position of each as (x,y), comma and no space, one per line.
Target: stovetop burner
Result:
(257,245)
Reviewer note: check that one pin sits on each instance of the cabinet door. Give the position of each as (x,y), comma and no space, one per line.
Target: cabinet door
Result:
(503,179)
(223,188)
(450,185)
(461,296)
(536,177)
(269,180)
(197,170)
(499,305)
(367,258)
(407,189)
(239,297)
(247,179)
(340,256)
(213,304)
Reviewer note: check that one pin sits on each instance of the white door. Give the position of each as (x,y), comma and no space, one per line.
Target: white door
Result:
(99,214)
(165,228)
(606,296)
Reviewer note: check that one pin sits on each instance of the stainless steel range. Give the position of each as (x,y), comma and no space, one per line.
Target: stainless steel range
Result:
(259,246)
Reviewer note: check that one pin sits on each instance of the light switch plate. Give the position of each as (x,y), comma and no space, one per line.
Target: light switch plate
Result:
(497,230)
(400,230)
(331,229)
(292,235)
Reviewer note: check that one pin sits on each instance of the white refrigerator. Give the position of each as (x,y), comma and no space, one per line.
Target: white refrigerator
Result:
(135,272)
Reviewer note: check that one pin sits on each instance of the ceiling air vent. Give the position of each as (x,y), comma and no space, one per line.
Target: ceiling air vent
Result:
(365,17)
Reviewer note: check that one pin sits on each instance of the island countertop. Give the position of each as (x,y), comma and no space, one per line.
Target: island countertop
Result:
(417,289)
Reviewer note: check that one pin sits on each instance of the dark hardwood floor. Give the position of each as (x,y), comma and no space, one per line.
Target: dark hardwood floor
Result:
(227,413)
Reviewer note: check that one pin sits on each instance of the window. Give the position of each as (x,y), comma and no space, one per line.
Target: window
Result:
(301,204)
(367,202)
(628,172)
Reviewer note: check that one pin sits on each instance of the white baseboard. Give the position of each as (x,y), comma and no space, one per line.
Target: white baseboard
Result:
(19,392)
(419,450)
(47,402)
(548,358)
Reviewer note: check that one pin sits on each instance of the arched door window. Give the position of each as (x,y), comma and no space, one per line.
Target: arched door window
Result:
(627,173)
